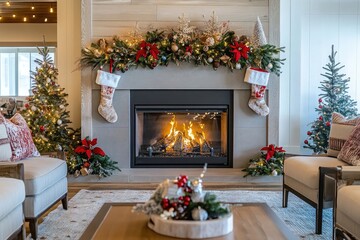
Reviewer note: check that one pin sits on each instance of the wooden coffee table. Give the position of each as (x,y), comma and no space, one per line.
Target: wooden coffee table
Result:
(251,221)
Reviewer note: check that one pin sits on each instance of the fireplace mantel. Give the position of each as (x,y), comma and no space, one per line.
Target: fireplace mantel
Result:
(250,130)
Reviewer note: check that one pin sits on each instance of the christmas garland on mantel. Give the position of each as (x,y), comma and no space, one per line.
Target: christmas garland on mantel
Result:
(215,45)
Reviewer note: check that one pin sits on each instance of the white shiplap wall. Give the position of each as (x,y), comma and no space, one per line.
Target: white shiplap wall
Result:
(309,28)
(119,17)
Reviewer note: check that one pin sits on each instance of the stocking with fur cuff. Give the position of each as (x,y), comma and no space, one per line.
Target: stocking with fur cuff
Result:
(108,83)
(259,80)
(257,102)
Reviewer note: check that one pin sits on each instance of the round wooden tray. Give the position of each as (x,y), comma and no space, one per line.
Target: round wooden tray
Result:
(192,229)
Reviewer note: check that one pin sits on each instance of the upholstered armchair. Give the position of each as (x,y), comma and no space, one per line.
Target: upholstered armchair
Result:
(347,204)
(45,181)
(313,178)
(12,196)
(45,178)
(309,178)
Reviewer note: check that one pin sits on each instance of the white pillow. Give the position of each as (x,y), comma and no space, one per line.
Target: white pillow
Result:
(5,149)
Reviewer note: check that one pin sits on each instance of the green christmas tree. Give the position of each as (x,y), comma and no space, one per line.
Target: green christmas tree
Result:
(46,113)
(334,98)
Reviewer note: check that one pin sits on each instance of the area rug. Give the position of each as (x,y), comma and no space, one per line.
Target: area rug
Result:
(70,224)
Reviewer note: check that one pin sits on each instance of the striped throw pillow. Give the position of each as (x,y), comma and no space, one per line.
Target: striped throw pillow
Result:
(340,131)
(350,152)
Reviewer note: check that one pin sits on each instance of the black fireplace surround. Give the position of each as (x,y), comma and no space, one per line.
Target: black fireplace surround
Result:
(181,128)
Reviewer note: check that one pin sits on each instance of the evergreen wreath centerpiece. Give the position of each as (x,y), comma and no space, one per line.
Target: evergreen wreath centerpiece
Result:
(269,162)
(184,199)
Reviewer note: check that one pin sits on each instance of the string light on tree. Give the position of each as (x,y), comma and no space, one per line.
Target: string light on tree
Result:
(46,112)
(334,98)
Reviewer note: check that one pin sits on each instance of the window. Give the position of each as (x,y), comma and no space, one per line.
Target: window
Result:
(16,65)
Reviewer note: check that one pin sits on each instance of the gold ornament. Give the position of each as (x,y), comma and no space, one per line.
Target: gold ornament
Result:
(174,47)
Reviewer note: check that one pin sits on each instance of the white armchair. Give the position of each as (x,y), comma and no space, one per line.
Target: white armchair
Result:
(45,181)
(347,208)
(12,196)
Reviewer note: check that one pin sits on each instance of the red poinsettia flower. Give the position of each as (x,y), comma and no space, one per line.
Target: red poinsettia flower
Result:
(240,50)
(188,49)
(271,150)
(146,49)
(87,148)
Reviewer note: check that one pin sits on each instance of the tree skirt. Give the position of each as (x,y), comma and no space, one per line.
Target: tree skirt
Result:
(70,224)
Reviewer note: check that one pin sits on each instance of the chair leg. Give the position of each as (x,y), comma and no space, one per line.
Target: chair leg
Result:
(22,234)
(319,213)
(285,197)
(64,202)
(33,224)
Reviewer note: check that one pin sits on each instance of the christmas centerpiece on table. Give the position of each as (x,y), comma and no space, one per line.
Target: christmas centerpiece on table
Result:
(180,208)
(269,162)
(91,160)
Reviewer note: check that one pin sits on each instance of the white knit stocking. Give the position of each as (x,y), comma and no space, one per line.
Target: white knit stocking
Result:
(108,83)
(257,102)
(106,108)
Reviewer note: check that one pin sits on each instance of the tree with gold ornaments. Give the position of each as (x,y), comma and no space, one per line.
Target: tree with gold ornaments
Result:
(46,113)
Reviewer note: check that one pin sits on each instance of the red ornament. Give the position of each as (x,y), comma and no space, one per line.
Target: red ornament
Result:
(27,105)
(182,180)
(42,128)
(306,141)
(320,118)
(309,133)
(320,100)
(328,124)
(320,106)
(86,164)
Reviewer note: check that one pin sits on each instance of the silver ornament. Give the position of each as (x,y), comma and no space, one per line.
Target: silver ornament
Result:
(33,108)
(238,66)
(199,214)
(59,122)
(274,173)
(210,59)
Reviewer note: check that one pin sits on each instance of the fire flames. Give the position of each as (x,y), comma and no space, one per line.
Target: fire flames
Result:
(189,137)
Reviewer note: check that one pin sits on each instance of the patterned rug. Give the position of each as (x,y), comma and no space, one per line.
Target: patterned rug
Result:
(70,224)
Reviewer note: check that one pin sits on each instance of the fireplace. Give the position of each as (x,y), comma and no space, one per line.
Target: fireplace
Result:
(181,128)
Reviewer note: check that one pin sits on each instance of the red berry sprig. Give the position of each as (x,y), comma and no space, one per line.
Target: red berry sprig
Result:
(182,180)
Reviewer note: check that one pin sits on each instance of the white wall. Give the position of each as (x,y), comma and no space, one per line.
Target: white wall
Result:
(69,53)
(11,34)
(308,29)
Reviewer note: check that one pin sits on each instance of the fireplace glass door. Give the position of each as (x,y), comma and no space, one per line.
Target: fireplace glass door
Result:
(181,135)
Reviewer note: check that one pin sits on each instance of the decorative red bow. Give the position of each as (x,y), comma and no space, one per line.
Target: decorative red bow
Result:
(271,150)
(188,49)
(86,148)
(239,50)
(147,48)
